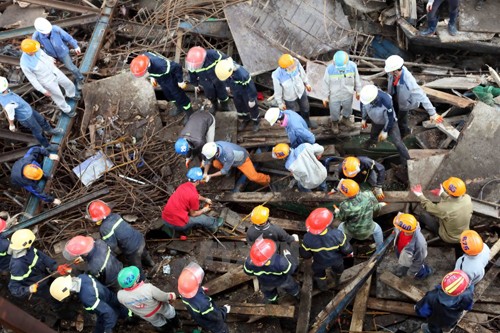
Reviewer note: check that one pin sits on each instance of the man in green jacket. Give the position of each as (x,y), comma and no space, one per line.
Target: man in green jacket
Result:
(449,217)
(356,213)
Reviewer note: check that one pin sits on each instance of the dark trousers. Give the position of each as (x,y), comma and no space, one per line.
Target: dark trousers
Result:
(404,129)
(241,103)
(290,286)
(172,92)
(214,89)
(303,103)
(37,124)
(394,137)
(432,16)
(138,257)
(319,270)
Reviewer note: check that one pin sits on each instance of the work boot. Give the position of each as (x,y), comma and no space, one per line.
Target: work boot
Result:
(147,260)
(335,127)
(256,125)
(79,85)
(215,106)
(452,28)
(224,106)
(52,147)
(243,124)
(176,111)
(321,284)
(347,123)
(70,114)
(336,280)
(219,223)
(430,30)
(55,131)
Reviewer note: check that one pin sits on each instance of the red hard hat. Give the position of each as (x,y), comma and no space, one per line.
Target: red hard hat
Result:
(3,225)
(190,279)
(318,220)
(454,283)
(139,65)
(78,246)
(195,58)
(262,250)
(98,210)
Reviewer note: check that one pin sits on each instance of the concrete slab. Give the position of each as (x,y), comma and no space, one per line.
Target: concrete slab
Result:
(484,20)
(442,261)
(421,171)
(461,83)
(461,36)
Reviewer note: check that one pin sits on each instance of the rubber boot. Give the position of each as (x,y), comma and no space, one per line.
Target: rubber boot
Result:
(55,131)
(335,127)
(321,284)
(244,124)
(430,30)
(176,111)
(224,106)
(347,123)
(256,125)
(336,280)
(188,112)
(52,147)
(219,223)
(215,106)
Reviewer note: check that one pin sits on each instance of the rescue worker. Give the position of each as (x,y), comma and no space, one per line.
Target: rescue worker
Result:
(166,73)
(243,89)
(295,126)
(291,85)
(95,298)
(444,305)
(101,262)
(342,82)
(55,41)
(432,8)
(200,306)
(27,172)
(44,76)
(476,257)
(120,236)
(356,213)
(410,248)
(199,130)
(224,155)
(326,245)
(272,269)
(261,226)
(406,93)
(4,246)
(18,109)
(377,105)
(182,211)
(200,64)
(147,301)
(449,217)
(304,164)
(28,266)
(363,169)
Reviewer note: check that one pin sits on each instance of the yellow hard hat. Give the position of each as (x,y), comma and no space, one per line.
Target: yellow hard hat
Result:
(348,187)
(281,151)
(32,171)
(285,61)
(60,287)
(405,222)
(224,69)
(22,239)
(454,186)
(260,214)
(351,166)
(30,45)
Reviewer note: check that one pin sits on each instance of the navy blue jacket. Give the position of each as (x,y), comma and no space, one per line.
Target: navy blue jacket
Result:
(380,111)
(118,234)
(56,43)
(206,313)
(102,263)
(98,299)
(207,70)
(241,83)
(326,248)
(443,310)
(367,166)
(17,178)
(273,274)
(4,257)
(29,269)
(164,70)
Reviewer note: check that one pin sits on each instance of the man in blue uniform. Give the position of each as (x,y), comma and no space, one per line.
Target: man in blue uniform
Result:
(363,169)
(4,246)
(295,126)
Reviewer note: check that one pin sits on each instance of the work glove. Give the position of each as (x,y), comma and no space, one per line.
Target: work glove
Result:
(153,82)
(332,191)
(197,89)
(205,289)
(417,190)
(428,7)
(171,297)
(208,201)
(47,93)
(383,204)
(78,51)
(382,136)
(379,193)
(187,162)
(295,237)
(364,124)
(182,85)
(286,252)
(336,210)
(438,191)
(34,288)
(12,128)
(228,90)
(283,106)
(206,209)
(325,103)
(54,157)
(308,88)
(56,202)
(437,119)
(206,178)
(228,308)
(251,103)
(64,269)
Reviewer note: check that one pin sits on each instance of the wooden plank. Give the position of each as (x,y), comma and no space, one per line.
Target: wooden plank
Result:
(227,281)
(448,98)
(305,298)
(490,308)
(267,310)
(456,82)
(219,266)
(391,306)
(290,225)
(359,308)
(236,255)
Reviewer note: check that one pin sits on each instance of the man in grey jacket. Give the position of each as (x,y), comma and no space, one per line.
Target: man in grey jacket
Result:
(476,257)
(406,93)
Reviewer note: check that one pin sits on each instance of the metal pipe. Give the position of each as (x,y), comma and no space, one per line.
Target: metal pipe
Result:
(63,5)
(16,319)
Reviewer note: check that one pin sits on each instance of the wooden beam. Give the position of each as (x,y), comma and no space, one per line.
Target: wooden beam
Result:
(444,127)
(227,281)
(359,308)
(305,298)
(443,97)
(267,310)
(219,266)
(391,306)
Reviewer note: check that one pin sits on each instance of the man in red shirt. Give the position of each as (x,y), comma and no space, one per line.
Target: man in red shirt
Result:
(182,211)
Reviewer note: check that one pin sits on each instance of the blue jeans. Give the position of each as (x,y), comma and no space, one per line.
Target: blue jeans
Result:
(37,124)
(203,220)
(378,235)
(68,63)
(432,16)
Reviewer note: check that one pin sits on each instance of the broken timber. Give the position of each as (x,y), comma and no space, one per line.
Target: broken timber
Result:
(359,308)
(305,298)
(268,310)
(227,281)
(443,97)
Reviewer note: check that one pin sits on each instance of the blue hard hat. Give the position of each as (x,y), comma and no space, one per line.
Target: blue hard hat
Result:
(195,174)
(181,146)
(340,59)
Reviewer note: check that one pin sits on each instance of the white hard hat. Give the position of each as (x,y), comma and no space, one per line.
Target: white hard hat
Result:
(368,94)
(4,84)
(394,62)
(60,287)
(224,69)
(43,26)
(272,115)
(209,150)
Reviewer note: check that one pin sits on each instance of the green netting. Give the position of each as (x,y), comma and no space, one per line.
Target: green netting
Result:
(486,94)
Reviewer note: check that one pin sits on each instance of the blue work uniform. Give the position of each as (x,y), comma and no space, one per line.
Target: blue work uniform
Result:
(168,74)
(206,313)
(102,263)
(230,155)
(371,172)
(205,76)
(244,91)
(297,130)
(277,272)
(17,178)
(4,256)
(101,301)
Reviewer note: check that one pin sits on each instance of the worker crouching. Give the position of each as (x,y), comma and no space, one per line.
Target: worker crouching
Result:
(261,226)
(364,170)
(295,126)
(476,257)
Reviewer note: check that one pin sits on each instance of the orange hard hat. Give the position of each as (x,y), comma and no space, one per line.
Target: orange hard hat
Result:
(32,171)
(318,220)
(471,242)
(30,45)
(195,58)
(405,222)
(139,66)
(285,61)
(454,186)
(348,187)
(190,279)
(351,166)
(262,251)
(3,225)
(455,283)
(78,246)
(98,210)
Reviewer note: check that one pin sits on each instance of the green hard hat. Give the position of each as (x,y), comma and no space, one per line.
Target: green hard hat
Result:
(128,276)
